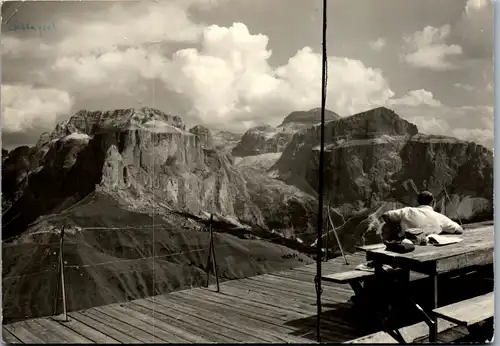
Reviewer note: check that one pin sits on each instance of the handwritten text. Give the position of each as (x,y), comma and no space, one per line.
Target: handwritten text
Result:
(30,27)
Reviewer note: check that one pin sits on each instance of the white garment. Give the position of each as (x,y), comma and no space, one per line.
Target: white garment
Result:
(425,218)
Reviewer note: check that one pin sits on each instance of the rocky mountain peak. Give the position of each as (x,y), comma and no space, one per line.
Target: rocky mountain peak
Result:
(93,122)
(265,139)
(310,117)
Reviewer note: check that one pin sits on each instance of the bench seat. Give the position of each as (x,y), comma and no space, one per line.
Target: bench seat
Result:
(408,333)
(468,312)
(360,275)
(348,276)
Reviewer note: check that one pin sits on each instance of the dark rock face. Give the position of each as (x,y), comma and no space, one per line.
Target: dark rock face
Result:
(376,157)
(204,135)
(67,171)
(263,139)
(140,157)
(267,139)
(16,166)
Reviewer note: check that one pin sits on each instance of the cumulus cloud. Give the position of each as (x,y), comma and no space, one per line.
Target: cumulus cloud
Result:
(225,77)
(228,78)
(378,44)
(25,108)
(416,98)
(116,71)
(468,38)
(427,48)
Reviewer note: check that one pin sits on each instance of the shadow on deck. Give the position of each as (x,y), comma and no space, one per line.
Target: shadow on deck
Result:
(273,308)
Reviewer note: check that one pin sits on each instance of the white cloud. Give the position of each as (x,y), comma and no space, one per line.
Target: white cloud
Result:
(427,48)
(378,44)
(130,25)
(115,71)
(471,123)
(229,78)
(468,38)
(416,98)
(226,78)
(25,108)
(467,87)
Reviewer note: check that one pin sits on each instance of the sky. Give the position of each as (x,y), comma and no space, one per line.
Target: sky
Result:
(234,64)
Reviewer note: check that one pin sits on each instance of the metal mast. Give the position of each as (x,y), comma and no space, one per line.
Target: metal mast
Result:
(321,171)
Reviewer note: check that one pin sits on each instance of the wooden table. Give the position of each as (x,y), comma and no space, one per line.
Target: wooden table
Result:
(476,249)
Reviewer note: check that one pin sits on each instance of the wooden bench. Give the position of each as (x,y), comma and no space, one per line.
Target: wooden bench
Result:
(406,334)
(468,312)
(351,277)
(366,248)
(471,313)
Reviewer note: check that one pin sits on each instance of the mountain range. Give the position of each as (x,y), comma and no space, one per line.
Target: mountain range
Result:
(111,178)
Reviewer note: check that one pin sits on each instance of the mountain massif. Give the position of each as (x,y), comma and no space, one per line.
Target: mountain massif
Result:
(134,190)
(267,139)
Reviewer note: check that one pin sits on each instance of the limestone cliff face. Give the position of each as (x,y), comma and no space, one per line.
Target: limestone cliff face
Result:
(112,179)
(149,161)
(143,157)
(376,157)
(267,139)
(204,134)
(262,140)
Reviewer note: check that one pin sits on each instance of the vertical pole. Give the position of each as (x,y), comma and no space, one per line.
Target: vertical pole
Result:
(321,171)
(214,262)
(326,244)
(56,300)
(208,259)
(61,266)
(434,329)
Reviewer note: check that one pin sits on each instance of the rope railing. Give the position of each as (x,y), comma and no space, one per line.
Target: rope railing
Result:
(81,231)
(201,249)
(61,266)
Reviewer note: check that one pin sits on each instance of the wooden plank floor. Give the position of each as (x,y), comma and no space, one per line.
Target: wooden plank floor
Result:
(271,308)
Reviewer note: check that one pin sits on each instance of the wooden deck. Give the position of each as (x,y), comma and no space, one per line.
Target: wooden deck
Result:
(271,308)
(278,307)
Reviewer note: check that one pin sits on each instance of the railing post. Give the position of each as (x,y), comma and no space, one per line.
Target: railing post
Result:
(211,254)
(214,262)
(61,270)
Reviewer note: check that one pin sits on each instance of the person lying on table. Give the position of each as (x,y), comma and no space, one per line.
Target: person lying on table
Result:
(419,222)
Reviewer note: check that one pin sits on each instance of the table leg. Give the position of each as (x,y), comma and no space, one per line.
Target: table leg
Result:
(434,329)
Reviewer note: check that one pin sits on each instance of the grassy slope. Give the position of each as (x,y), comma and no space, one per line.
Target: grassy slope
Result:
(123,244)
